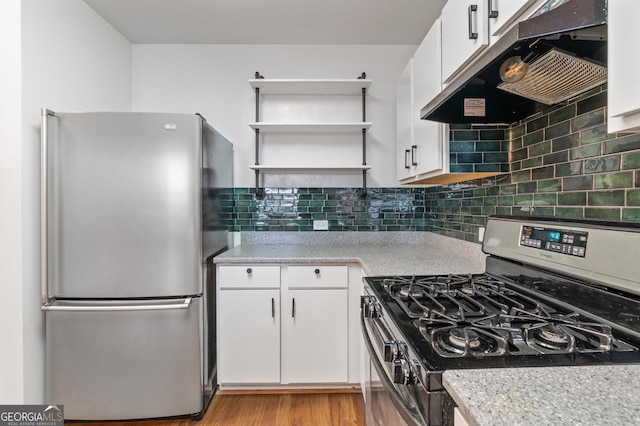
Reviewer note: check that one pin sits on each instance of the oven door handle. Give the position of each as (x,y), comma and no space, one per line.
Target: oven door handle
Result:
(410,414)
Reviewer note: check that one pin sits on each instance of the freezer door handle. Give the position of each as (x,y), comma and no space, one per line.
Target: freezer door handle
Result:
(44,146)
(120,308)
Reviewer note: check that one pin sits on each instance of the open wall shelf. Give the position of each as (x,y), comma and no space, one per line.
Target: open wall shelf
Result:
(357,87)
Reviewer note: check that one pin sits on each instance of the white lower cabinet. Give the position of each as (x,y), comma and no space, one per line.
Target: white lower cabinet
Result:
(251,336)
(287,325)
(314,336)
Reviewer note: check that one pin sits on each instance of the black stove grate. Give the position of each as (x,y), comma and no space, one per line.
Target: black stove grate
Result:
(484,320)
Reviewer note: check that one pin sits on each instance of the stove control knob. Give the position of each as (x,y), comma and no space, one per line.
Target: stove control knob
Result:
(402,372)
(365,304)
(370,307)
(365,300)
(406,372)
(390,351)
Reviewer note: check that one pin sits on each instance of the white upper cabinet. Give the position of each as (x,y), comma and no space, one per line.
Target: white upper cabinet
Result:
(502,13)
(427,60)
(427,150)
(470,26)
(465,33)
(623,67)
(420,143)
(404,125)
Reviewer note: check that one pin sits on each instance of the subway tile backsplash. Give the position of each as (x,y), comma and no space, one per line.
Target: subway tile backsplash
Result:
(562,163)
(295,209)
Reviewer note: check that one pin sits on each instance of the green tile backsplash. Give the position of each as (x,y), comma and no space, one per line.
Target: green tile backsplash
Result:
(563,163)
(295,209)
(478,149)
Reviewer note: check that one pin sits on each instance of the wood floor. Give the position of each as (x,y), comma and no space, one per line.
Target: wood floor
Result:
(275,409)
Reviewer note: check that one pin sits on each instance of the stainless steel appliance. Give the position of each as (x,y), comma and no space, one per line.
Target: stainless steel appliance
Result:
(554,293)
(131,219)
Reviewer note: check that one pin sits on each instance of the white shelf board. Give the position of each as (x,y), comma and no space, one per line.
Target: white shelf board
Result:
(310,168)
(283,86)
(266,127)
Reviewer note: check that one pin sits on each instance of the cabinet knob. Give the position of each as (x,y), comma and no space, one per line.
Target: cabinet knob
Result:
(249,270)
(317,271)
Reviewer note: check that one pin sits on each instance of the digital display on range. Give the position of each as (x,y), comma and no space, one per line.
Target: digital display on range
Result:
(572,243)
(544,235)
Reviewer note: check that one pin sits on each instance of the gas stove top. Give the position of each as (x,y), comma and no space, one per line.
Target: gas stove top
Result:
(478,316)
(553,293)
(541,306)
(478,321)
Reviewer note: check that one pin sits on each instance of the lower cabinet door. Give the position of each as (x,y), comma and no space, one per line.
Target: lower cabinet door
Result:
(248,336)
(314,336)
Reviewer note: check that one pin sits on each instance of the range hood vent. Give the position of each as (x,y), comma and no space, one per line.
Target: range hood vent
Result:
(564,47)
(557,76)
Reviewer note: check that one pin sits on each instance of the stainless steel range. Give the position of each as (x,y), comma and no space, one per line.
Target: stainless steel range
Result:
(554,293)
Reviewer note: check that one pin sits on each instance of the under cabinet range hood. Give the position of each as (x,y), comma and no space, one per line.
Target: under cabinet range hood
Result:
(562,50)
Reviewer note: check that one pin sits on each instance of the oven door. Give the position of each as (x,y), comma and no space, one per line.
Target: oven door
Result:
(394,394)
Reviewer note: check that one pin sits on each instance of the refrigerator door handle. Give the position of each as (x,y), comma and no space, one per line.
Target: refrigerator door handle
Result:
(44,285)
(119,308)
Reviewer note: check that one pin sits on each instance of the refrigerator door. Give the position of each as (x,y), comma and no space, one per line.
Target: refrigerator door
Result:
(124,205)
(125,360)
(217,190)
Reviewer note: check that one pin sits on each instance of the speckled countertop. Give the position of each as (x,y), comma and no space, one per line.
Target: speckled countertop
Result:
(602,395)
(547,396)
(379,253)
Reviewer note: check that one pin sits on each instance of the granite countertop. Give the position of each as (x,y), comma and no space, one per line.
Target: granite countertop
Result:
(387,253)
(597,395)
(540,396)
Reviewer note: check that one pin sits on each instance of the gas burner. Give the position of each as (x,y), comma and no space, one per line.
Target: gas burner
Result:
(553,335)
(461,338)
(404,291)
(550,338)
(459,341)
(467,290)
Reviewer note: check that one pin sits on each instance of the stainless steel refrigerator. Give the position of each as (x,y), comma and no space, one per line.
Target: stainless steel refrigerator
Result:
(132,215)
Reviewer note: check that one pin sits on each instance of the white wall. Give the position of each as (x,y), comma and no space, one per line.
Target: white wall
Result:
(212,80)
(11,364)
(71,60)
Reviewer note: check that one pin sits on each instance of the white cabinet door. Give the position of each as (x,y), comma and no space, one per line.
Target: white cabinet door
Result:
(249,336)
(404,125)
(502,13)
(464,33)
(426,154)
(623,68)
(315,336)
(427,67)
